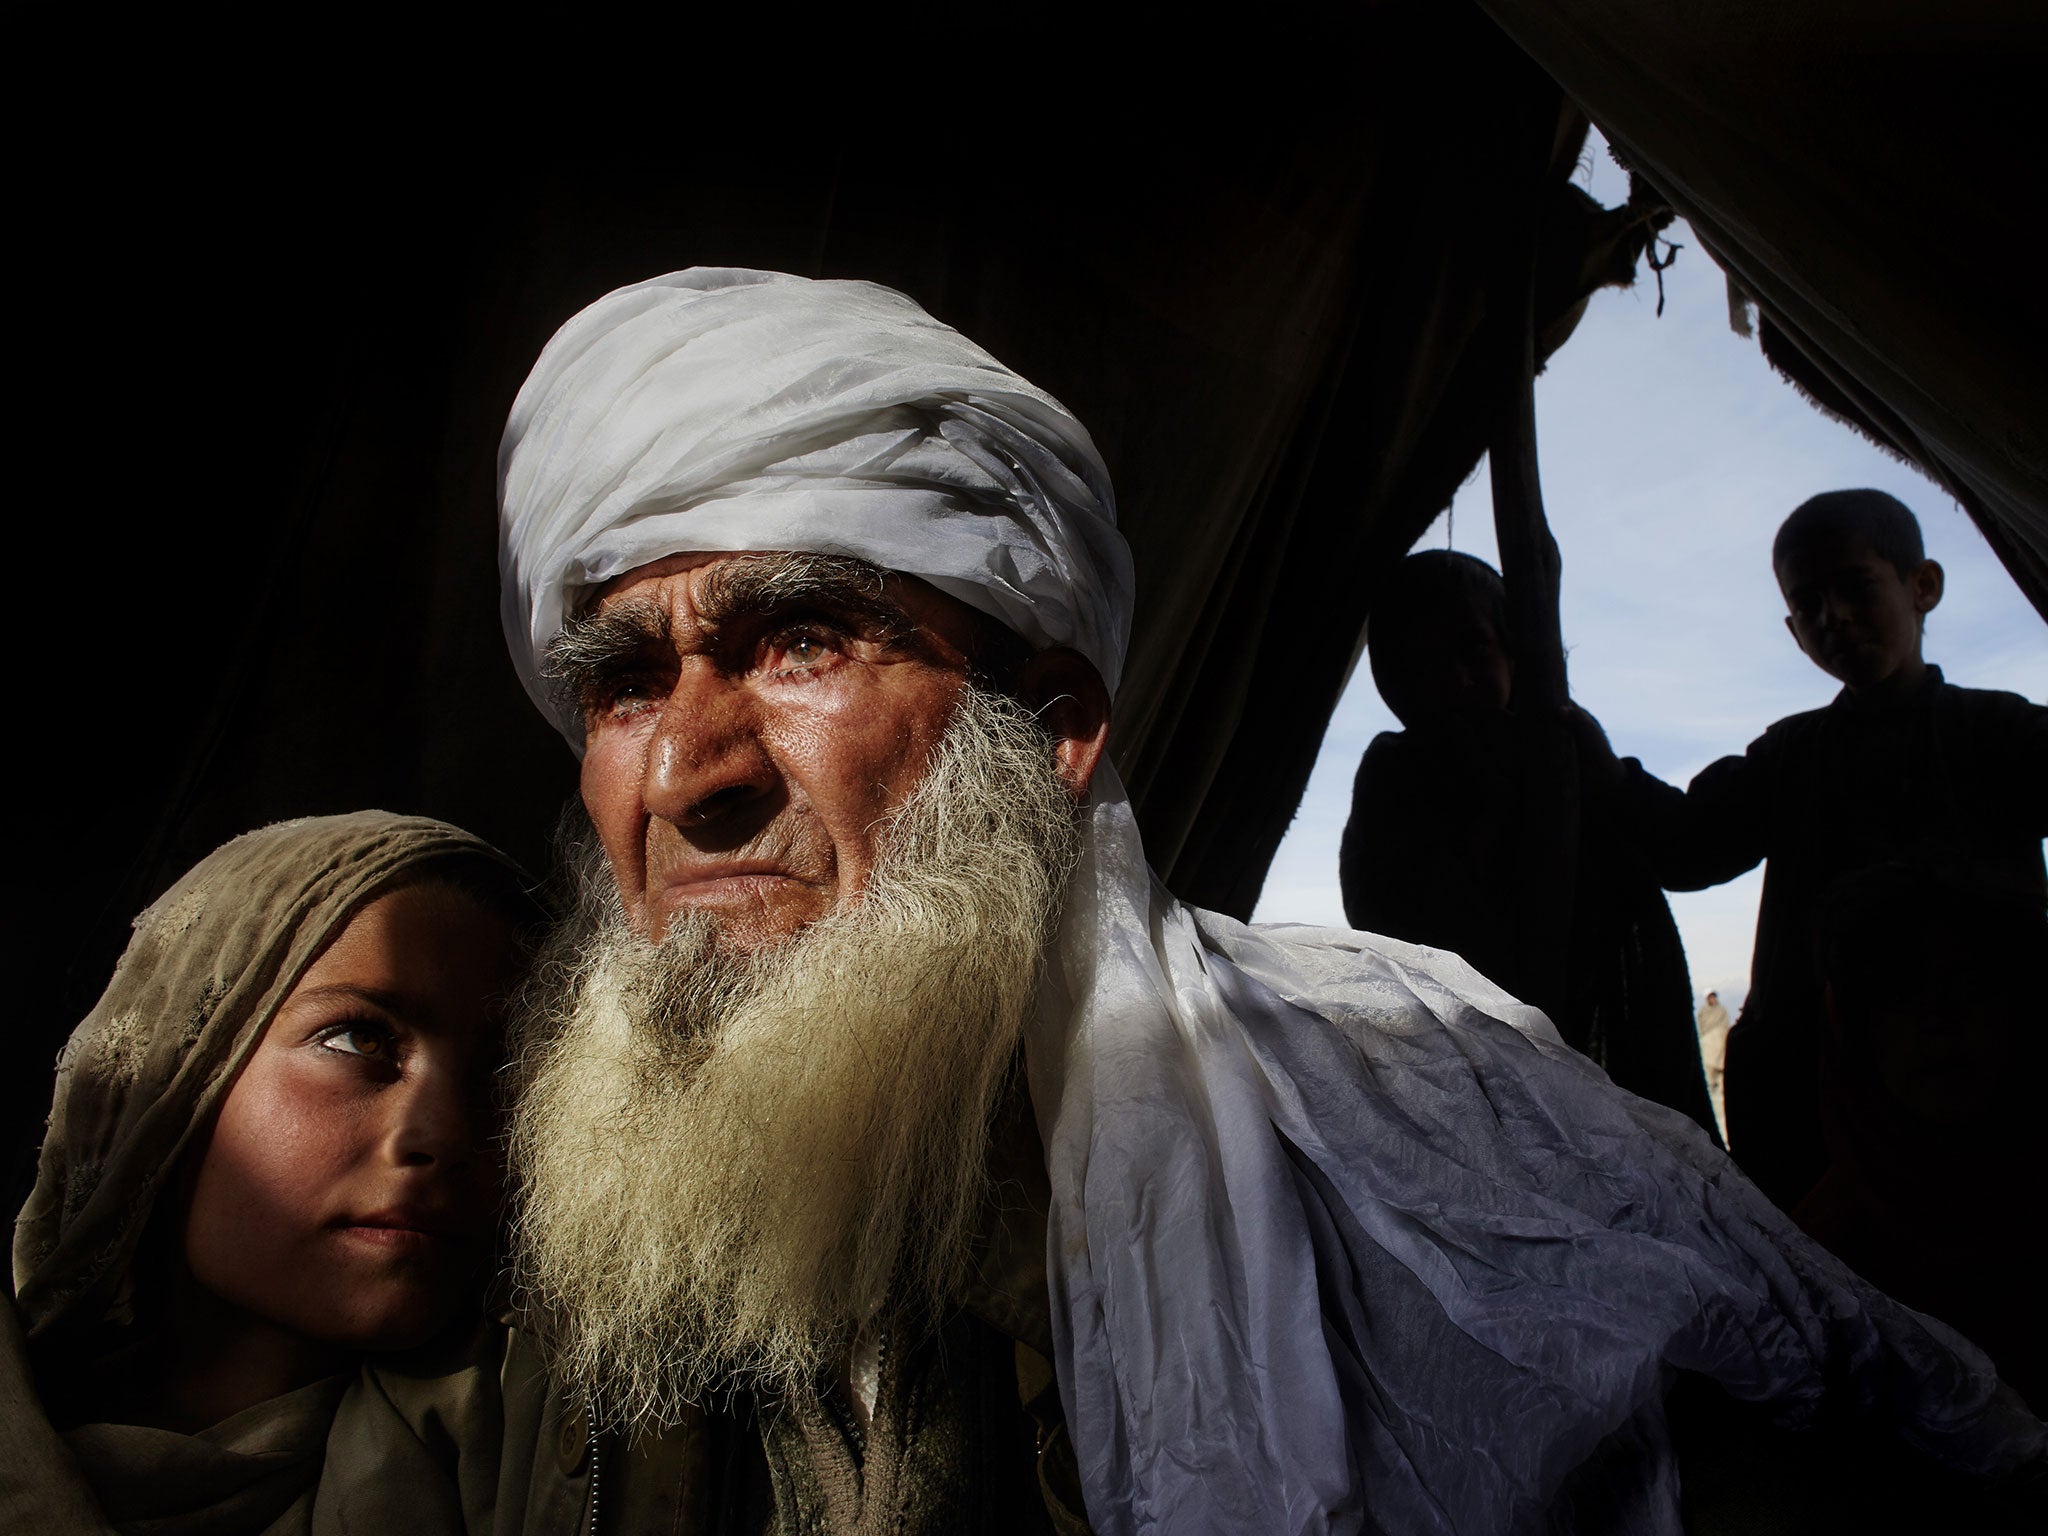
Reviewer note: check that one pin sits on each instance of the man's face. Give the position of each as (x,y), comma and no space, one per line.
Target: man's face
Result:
(748,723)
(1851,611)
(729,1159)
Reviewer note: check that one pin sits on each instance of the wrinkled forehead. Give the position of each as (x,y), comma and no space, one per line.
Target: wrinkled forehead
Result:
(654,573)
(708,588)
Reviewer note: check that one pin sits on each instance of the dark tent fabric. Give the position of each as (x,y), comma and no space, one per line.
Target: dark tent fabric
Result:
(278,358)
(1874,175)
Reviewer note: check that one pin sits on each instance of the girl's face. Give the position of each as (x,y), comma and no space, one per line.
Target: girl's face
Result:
(349,1191)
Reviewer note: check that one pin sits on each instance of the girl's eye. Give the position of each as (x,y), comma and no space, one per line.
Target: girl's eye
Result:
(372,1042)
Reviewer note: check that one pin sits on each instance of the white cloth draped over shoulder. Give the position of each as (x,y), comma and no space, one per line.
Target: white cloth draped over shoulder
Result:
(1342,1238)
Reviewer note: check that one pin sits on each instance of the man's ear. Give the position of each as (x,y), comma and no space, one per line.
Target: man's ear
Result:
(1927,582)
(1063,689)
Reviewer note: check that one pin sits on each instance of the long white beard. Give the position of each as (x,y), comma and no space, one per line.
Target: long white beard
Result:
(727,1162)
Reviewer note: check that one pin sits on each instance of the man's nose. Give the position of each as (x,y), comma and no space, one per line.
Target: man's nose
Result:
(706,759)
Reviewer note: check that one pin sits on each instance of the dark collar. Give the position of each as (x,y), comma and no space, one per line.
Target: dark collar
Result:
(1930,684)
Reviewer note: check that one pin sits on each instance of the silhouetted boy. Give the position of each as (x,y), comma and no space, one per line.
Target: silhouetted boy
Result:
(1900,765)
(1451,841)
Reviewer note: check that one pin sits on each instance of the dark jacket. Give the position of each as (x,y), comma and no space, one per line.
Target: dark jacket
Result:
(1453,843)
(1942,773)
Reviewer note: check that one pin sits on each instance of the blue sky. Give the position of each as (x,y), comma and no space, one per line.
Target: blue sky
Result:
(1671,451)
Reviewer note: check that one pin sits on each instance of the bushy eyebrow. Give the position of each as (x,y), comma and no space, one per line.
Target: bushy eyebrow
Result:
(586,659)
(755,584)
(594,649)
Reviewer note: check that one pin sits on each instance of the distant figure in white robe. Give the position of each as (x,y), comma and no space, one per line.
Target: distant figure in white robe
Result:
(1713,1022)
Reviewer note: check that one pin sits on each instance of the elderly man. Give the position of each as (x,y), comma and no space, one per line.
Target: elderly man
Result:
(895,1153)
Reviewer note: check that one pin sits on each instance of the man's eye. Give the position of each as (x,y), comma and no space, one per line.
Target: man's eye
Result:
(358,1037)
(627,697)
(800,651)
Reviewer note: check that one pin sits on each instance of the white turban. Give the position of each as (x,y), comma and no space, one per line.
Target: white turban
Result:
(718,410)
(1342,1238)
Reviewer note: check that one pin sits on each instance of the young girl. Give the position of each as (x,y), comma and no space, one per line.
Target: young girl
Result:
(272,1153)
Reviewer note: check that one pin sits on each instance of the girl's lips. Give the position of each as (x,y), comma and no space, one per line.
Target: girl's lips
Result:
(404,1240)
(441,1225)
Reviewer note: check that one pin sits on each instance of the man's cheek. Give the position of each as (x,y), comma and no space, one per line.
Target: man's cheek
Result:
(610,787)
(625,858)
